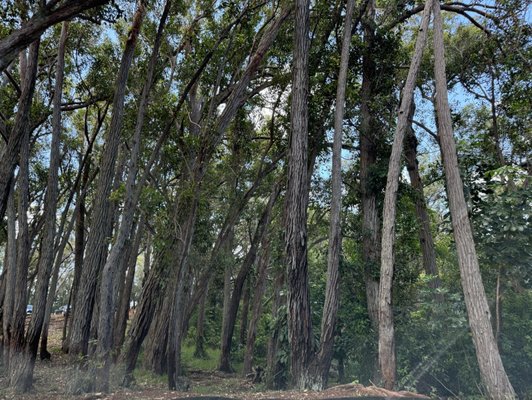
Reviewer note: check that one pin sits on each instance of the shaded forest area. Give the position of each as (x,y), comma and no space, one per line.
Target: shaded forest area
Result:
(306,194)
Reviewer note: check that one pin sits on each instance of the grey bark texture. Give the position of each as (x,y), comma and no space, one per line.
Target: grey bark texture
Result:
(96,241)
(387,362)
(299,321)
(24,374)
(492,370)
(330,308)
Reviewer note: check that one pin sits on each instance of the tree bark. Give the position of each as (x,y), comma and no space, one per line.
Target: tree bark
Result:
(330,308)
(11,275)
(247,264)
(275,378)
(28,69)
(256,310)
(10,153)
(386,326)
(32,29)
(125,295)
(491,368)
(425,234)
(368,157)
(299,319)
(23,379)
(96,242)
(105,327)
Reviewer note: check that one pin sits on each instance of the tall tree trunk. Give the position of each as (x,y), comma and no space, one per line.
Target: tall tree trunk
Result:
(28,74)
(247,264)
(330,308)
(386,325)
(425,234)
(369,135)
(96,242)
(299,319)
(23,376)
(258,293)
(491,368)
(105,336)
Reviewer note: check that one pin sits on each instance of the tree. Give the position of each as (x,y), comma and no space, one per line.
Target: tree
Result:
(492,370)
(387,361)
(299,321)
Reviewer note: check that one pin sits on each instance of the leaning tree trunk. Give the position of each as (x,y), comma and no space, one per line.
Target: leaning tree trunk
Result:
(386,327)
(330,308)
(97,240)
(491,368)
(28,73)
(299,318)
(22,381)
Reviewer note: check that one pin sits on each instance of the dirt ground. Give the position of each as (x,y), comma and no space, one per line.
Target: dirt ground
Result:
(53,377)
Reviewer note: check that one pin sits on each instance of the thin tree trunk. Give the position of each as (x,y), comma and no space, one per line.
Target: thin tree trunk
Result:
(245,312)
(105,328)
(28,74)
(96,242)
(22,378)
(386,326)
(247,264)
(258,293)
(330,308)
(11,276)
(425,234)
(275,370)
(491,368)
(125,297)
(152,290)
(200,351)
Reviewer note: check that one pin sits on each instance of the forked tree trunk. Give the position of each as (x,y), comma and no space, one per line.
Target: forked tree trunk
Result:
(299,318)
(491,368)
(386,326)
(330,308)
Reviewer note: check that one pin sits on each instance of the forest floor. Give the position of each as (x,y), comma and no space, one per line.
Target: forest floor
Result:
(53,377)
